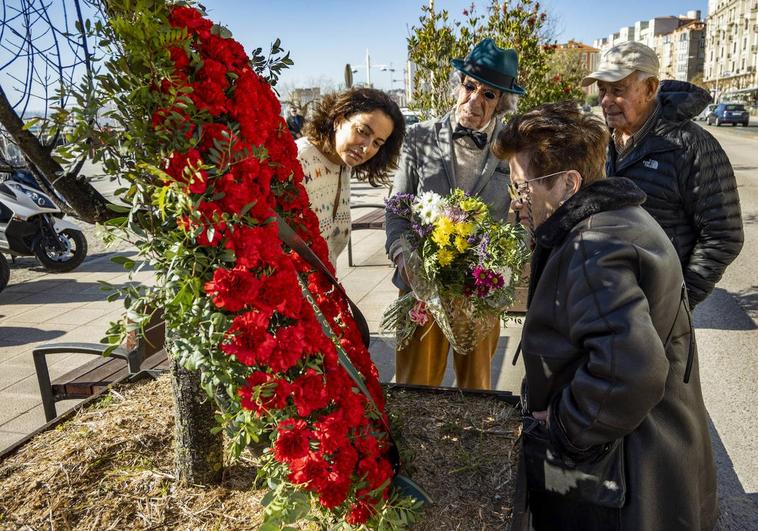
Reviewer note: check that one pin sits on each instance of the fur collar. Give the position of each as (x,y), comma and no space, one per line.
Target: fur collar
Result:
(607,194)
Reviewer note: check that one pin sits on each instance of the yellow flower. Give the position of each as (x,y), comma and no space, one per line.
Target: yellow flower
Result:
(444,257)
(464,229)
(461,244)
(442,231)
(471,205)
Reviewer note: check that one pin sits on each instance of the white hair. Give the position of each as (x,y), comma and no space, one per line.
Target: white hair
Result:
(644,76)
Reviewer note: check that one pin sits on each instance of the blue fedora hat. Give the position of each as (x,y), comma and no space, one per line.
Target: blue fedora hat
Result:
(490,64)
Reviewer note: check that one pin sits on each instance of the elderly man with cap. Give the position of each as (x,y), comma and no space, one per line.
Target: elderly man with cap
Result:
(689,182)
(440,155)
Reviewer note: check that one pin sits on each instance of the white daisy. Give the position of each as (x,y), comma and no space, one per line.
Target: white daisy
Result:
(428,206)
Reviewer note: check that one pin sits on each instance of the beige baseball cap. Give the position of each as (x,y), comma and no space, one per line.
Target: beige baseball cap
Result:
(621,61)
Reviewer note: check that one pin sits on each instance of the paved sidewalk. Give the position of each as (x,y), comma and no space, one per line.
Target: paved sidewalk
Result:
(68,307)
(71,307)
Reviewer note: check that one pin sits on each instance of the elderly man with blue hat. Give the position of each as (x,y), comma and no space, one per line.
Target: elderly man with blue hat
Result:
(443,154)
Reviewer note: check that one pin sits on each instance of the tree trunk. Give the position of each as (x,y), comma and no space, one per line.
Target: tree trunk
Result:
(199,453)
(85,200)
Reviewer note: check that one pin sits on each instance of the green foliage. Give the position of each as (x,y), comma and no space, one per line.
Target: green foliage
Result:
(112,125)
(271,66)
(567,68)
(520,25)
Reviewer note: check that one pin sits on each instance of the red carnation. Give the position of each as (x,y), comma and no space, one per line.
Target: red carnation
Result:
(310,393)
(232,289)
(192,19)
(292,441)
(334,493)
(179,57)
(291,343)
(255,246)
(263,392)
(185,168)
(353,406)
(248,339)
(359,513)
(311,470)
(331,432)
(345,459)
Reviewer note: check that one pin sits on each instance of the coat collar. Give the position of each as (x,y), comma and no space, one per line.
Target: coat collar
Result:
(607,194)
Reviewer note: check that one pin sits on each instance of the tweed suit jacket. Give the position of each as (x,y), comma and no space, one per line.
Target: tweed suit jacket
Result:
(427,164)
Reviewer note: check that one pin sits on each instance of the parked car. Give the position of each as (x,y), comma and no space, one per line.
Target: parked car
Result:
(729,113)
(410,116)
(703,116)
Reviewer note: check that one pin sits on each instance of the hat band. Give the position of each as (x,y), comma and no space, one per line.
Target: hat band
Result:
(495,77)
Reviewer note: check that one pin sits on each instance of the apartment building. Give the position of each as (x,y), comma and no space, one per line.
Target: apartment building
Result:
(679,42)
(682,52)
(731,64)
(587,56)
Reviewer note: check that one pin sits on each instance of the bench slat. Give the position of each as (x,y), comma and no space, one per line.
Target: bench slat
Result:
(372,220)
(99,373)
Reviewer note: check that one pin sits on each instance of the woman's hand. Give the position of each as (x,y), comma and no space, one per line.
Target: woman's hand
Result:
(543,417)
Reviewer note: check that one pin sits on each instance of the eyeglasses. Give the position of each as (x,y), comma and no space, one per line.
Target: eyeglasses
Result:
(521,190)
(471,88)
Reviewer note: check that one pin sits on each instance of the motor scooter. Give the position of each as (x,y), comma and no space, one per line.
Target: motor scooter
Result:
(32,225)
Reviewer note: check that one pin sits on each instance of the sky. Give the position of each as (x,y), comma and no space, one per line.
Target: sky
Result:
(323,35)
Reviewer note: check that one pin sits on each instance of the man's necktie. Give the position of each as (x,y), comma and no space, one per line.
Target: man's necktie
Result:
(479,138)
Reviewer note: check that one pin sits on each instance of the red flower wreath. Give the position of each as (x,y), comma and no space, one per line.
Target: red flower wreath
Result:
(242,169)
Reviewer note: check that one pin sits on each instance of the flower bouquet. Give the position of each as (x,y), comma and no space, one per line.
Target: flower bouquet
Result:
(461,264)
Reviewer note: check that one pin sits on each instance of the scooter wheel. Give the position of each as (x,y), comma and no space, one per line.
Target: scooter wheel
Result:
(57,262)
(5,272)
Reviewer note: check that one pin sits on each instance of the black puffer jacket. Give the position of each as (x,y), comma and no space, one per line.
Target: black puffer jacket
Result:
(690,186)
(606,344)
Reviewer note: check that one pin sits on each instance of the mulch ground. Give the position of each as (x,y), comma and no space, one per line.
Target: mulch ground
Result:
(111,467)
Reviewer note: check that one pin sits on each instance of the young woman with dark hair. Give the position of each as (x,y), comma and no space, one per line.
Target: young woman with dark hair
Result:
(358,131)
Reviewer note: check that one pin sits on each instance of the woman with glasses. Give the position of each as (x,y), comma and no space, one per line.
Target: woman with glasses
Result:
(615,434)
(443,154)
(357,131)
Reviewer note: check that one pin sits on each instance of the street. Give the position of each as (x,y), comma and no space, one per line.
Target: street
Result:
(727,337)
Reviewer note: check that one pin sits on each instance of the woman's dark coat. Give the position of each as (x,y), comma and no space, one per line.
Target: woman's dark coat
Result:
(606,343)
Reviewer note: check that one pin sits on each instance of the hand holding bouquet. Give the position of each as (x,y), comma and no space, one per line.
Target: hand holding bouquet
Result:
(461,264)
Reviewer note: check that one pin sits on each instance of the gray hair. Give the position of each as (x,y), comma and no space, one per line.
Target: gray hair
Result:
(644,76)
(507,103)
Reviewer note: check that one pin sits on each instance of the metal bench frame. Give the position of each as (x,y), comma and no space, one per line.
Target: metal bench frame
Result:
(139,349)
(133,362)
(362,224)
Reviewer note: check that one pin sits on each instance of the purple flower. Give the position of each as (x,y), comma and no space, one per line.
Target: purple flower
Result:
(456,214)
(481,249)
(421,229)
(400,205)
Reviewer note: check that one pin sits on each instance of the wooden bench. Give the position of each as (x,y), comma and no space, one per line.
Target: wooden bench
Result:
(140,352)
(373,220)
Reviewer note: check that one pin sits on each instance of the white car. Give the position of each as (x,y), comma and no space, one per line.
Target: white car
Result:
(703,116)
(410,117)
